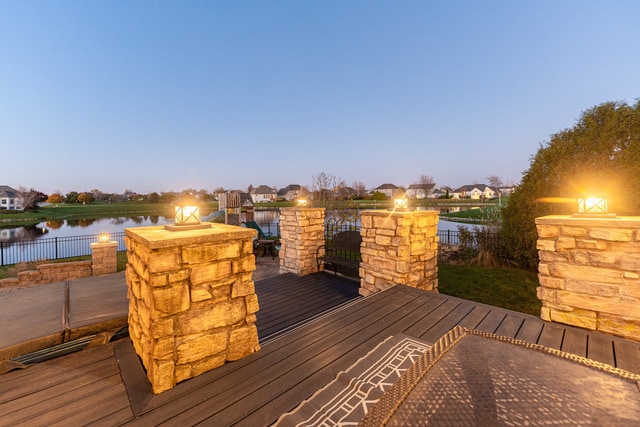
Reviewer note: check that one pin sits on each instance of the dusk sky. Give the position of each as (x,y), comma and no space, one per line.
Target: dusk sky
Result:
(165,96)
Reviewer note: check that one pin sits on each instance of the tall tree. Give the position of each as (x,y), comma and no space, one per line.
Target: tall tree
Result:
(599,155)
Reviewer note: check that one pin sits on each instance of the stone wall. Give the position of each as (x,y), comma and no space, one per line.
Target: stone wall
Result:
(589,273)
(398,248)
(192,301)
(301,234)
(49,273)
(103,261)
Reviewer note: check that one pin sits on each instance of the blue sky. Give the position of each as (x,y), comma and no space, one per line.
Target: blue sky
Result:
(164,96)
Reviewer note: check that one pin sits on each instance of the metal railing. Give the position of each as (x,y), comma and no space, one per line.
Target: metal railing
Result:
(472,239)
(52,248)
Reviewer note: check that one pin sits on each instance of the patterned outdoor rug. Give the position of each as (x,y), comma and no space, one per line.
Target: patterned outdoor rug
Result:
(346,399)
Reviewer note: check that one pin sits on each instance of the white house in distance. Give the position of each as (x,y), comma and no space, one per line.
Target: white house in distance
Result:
(475,192)
(420,191)
(389,190)
(8,198)
(263,194)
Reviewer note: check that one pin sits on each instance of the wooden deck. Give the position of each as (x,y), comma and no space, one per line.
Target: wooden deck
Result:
(106,384)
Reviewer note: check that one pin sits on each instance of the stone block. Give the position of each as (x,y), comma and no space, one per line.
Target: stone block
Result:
(163,348)
(587,273)
(551,282)
(583,319)
(545,231)
(203,319)
(171,299)
(591,288)
(252,303)
(243,341)
(164,261)
(200,294)
(161,376)
(622,326)
(193,348)
(162,328)
(611,234)
(565,243)
(571,231)
(546,245)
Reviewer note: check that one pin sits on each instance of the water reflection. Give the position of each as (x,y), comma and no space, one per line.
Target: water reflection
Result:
(268,220)
(77,227)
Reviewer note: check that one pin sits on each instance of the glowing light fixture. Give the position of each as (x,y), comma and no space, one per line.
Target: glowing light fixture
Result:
(593,207)
(103,238)
(302,203)
(187,215)
(400,204)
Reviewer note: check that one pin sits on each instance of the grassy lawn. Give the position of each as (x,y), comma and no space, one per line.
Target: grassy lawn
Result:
(507,288)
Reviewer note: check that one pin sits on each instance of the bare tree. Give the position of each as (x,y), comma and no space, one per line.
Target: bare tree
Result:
(360,188)
(495,182)
(323,186)
(426,180)
(328,192)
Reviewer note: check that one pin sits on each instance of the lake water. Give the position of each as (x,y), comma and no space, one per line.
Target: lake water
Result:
(268,220)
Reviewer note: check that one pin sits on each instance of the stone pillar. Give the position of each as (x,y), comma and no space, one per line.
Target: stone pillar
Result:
(192,301)
(301,234)
(398,248)
(589,273)
(104,258)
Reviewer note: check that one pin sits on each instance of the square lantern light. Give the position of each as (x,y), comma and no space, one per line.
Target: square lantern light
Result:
(400,204)
(301,203)
(593,207)
(103,237)
(187,215)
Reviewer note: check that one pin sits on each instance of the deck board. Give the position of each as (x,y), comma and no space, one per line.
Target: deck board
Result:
(298,359)
(575,342)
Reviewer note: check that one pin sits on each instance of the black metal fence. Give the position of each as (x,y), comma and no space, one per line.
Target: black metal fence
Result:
(471,239)
(52,248)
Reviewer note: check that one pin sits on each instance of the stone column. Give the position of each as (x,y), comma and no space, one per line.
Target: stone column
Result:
(192,301)
(589,273)
(104,258)
(301,234)
(398,248)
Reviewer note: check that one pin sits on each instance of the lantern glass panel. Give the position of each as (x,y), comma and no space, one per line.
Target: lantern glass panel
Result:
(592,205)
(400,203)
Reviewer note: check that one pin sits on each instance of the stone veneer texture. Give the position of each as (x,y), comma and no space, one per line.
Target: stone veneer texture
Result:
(589,273)
(192,301)
(398,248)
(301,234)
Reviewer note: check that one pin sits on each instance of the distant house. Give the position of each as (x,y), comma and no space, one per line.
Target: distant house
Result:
(420,191)
(346,192)
(438,193)
(263,194)
(8,198)
(389,190)
(506,191)
(292,192)
(475,192)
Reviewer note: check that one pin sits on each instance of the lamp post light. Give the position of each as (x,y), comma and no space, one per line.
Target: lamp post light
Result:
(103,237)
(593,207)
(187,215)
(301,203)
(400,204)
